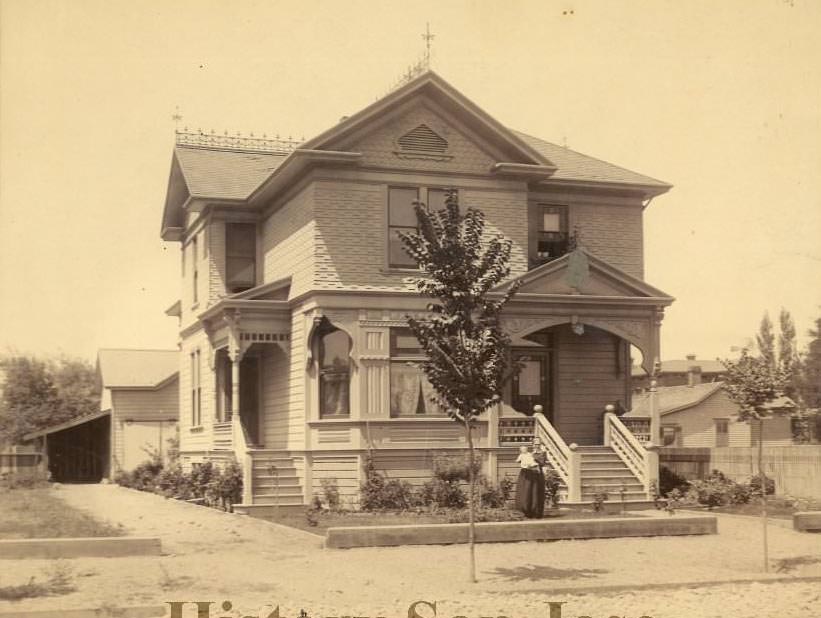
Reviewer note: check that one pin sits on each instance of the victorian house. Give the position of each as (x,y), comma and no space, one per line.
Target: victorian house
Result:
(295,355)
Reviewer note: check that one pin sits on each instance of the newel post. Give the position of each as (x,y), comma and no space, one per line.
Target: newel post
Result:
(247,479)
(574,474)
(655,419)
(651,471)
(608,409)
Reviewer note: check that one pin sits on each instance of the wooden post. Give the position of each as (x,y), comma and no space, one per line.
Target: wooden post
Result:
(247,479)
(655,420)
(651,471)
(574,473)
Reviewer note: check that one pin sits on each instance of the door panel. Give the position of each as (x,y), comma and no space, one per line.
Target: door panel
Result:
(249,397)
(532,384)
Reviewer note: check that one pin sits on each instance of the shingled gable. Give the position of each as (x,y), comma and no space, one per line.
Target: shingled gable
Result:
(601,280)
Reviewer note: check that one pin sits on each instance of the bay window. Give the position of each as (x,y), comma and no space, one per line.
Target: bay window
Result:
(410,390)
(333,349)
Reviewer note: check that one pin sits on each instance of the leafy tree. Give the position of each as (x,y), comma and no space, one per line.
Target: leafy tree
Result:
(38,393)
(787,346)
(468,357)
(809,380)
(765,340)
(753,382)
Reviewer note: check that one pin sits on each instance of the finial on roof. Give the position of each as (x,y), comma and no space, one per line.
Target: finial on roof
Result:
(428,38)
(176,117)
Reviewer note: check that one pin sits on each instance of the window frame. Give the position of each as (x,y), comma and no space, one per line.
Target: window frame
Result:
(196,389)
(326,329)
(195,275)
(422,195)
(230,253)
(406,356)
(559,239)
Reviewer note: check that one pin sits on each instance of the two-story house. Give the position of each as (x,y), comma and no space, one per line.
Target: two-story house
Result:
(295,352)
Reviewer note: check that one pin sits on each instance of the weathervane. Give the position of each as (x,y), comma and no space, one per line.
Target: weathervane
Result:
(176,117)
(428,38)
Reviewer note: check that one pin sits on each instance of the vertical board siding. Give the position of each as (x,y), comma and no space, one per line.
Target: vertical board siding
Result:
(795,469)
(586,381)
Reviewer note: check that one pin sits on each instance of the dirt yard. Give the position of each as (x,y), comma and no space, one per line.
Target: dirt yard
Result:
(214,556)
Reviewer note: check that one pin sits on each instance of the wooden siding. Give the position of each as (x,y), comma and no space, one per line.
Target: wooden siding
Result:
(344,469)
(145,408)
(586,380)
(201,438)
(275,411)
(288,243)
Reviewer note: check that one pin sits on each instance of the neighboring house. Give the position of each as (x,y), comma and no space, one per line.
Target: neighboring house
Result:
(703,415)
(679,372)
(296,357)
(139,409)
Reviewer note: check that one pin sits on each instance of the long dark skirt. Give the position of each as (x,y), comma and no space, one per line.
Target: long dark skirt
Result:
(530,493)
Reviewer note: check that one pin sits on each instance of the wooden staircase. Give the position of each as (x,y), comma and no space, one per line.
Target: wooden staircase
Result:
(275,484)
(603,471)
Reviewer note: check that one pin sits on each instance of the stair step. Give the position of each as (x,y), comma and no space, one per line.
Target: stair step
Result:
(607,471)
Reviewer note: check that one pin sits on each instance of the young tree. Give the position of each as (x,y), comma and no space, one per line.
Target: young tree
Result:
(467,352)
(809,382)
(765,340)
(753,382)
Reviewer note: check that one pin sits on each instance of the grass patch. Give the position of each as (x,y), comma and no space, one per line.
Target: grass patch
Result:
(332,519)
(57,580)
(39,513)
(776,508)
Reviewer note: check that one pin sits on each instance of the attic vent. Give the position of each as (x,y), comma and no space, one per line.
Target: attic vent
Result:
(422,143)
(423,139)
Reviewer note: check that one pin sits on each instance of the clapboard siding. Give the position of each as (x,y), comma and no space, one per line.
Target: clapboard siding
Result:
(296,408)
(275,412)
(147,405)
(344,470)
(587,378)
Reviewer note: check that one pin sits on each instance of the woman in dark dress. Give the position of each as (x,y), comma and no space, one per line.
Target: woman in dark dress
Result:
(530,485)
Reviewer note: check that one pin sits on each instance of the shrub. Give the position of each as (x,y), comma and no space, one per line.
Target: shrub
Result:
(379,493)
(330,492)
(494,497)
(455,468)
(224,489)
(718,490)
(755,485)
(670,480)
(485,514)
(552,484)
(441,493)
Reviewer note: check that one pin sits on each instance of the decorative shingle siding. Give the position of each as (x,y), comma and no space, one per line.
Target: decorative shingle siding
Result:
(379,148)
(287,242)
(216,260)
(612,233)
(351,233)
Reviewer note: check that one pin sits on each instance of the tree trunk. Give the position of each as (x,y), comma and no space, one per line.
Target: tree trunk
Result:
(471,505)
(763,487)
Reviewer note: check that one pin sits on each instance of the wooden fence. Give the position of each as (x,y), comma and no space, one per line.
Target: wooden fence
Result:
(796,469)
(20,460)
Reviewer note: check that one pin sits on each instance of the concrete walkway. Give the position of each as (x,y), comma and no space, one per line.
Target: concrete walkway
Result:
(217,556)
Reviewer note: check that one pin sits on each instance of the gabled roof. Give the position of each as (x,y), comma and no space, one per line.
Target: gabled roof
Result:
(676,398)
(226,174)
(580,273)
(682,366)
(673,398)
(120,368)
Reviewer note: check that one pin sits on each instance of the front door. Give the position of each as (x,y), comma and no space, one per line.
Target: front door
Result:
(249,397)
(531,386)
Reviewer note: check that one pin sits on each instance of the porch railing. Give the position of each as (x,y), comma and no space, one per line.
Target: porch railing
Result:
(642,461)
(638,426)
(564,459)
(244,457)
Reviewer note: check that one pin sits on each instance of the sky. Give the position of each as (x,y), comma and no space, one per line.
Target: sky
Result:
(721,99)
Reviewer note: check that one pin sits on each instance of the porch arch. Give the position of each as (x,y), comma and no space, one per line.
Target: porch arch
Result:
(642,333)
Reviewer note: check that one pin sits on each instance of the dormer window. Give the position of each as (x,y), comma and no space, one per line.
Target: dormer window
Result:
(240,257)
(551,238)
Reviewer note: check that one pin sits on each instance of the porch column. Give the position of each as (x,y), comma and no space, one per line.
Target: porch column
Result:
(235,358)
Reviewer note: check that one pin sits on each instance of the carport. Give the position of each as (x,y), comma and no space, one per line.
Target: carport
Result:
(79,450)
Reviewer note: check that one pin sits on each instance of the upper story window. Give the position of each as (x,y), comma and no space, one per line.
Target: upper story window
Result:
(240,256)
(410,390)
(334,363)
(551,236)
(402,218)
(196,390)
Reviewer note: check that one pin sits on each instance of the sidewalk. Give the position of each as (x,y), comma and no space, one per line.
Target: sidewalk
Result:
(217,556)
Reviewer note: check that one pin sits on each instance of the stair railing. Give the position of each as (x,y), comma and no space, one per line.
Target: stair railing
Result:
(243,455)
(564,459)
(641,459)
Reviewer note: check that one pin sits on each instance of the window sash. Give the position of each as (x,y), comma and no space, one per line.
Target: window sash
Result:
(402,218)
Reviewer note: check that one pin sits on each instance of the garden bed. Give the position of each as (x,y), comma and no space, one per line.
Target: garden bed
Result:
(347,519)
(40,513)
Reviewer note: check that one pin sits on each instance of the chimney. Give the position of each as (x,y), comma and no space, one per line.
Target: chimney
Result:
(691,357)
(693,374)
